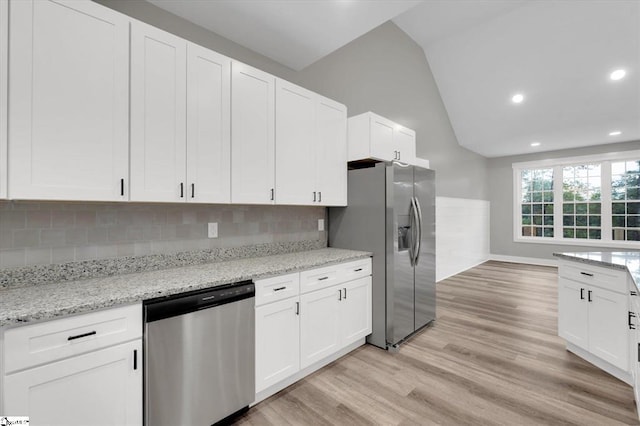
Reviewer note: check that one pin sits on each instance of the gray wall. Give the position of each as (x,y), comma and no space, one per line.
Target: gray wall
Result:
(501,197)
(153,15)
(386,72)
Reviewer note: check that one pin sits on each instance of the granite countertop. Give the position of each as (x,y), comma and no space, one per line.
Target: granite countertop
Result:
(621,260)
(44,301)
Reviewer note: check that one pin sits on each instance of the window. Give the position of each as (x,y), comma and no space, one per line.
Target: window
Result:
(585,200)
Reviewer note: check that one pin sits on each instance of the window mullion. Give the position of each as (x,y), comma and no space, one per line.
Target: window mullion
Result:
(606,201)
(557,203)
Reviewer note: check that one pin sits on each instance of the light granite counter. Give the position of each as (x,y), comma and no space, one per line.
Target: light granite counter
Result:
(621,260)
(23,304)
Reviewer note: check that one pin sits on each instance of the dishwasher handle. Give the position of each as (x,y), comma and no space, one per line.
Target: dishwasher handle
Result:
(170,306)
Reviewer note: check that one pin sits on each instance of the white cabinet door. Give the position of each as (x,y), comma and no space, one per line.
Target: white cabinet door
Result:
(319,325)
(572,312)
(405,142)
(208,126)
(277,342)
(4,57)
(252,135)
(68,110)
(331,153)
(382,143)
(98,388)
(296,142)
(355,310)
(158,115)
(608,328)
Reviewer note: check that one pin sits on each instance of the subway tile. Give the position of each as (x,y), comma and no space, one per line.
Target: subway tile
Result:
(97,235)
(125,250)
(77,236)
(53,237)
(174,217)
(12,220)
(189,217)
(63,254)
(134,233)
(38,219)
(238,216)
(168,232)
(105,218)
(62,219)
(108,251)
(85,218)
(6,239)
(141,249)
(12,258)
(151,232)
(41,256)
(117,234)
(23,238)
(86,253)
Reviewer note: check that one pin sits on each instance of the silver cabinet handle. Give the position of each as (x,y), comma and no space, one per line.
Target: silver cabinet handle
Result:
(419,248)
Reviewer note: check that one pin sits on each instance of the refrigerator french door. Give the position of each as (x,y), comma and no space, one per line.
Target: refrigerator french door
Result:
(391,213)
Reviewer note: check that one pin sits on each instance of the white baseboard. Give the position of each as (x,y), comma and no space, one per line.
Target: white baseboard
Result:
(616,372)
(527,260)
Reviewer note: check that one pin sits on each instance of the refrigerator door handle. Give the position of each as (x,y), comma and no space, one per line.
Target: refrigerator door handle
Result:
(413,253)
(419,222)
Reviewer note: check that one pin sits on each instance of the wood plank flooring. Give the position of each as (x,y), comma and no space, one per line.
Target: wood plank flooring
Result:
(493,357)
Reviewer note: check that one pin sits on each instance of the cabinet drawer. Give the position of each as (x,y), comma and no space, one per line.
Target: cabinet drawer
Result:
(315,279)
(356,269)
(606,278)
(49,341)
(277,288)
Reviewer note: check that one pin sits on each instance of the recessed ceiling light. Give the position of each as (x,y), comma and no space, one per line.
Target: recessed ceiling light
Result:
(617,74)
(535,143)
(615,133)
(517,98)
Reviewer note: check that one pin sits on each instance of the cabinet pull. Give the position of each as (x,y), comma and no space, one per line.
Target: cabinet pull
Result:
(279,288)
(122,187)
(272,195)
(399,154)
(357,270)
(589,296)
(339,294)
(345,293)
(638,352)
(80,336)
(297,308)
(582,294)
(587,274)
(193,190)
(319,196)
(135,359)
(631,326)
(633,293)
(181,189)
(323,278)
(314,196)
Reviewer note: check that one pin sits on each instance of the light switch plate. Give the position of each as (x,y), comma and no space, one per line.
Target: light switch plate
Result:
(320,224)
(212,230)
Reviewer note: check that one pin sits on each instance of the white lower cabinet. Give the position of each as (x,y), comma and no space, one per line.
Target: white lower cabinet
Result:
(79,370)
(304,319)
(97,388)
(277,342)
(593,315)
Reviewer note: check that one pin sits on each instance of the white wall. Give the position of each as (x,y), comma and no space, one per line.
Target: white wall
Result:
(462,235)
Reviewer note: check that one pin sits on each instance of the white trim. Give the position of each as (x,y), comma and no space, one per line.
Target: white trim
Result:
(616,372)
(567,161)
(526,260)
(631,245)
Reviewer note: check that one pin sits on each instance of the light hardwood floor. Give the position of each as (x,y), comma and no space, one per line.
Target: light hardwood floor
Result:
(492,357)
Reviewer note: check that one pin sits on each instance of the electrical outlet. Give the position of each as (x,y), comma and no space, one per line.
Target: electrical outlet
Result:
(212,230)
(320,224)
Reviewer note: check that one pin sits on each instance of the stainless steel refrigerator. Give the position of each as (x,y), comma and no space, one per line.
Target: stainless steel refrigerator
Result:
(391,212)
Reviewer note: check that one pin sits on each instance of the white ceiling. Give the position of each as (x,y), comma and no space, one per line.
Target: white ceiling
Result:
(295,33)
(558,53)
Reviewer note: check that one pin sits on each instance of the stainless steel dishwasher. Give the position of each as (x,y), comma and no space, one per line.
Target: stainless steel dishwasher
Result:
(199,355)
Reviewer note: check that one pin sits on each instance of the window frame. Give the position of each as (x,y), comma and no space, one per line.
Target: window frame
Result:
(557,164)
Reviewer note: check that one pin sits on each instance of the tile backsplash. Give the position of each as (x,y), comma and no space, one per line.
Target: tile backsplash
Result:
(41,233)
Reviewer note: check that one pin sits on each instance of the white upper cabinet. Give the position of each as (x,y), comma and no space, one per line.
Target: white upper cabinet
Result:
(208,126)
(311,165)
(374,137)
(331,153)
(296,145)
(4,56)
(252,135)
(158,114)
(68,110)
